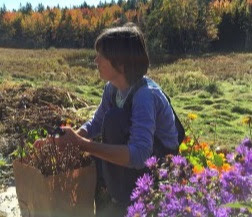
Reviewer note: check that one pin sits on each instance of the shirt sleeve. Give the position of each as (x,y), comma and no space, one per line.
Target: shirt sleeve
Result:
(93,126)
(142,129)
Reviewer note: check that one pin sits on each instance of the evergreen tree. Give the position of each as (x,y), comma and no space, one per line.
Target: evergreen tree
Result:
(27,9)
(84,5)
(3,10)
(40,7)
(120,2)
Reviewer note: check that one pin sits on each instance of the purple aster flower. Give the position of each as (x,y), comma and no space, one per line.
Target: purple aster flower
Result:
(189,189)
(211,203)
(163,173)
(247,142)
(150,207)
(227,197)
(176,172)
(198,210)
(151,162)
(137,209)
(248,163)
(239,186)
(207,176)
(171,207)
(144,183)
(179,160)
(136,193)
(194,178)
(222,212)
(177,189)
(242,149)
(163,211)
(164,188)
(230,158)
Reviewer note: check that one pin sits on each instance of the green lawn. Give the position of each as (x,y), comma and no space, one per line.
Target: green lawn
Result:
(216,87)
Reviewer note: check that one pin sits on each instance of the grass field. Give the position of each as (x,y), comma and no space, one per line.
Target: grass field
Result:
(216,87)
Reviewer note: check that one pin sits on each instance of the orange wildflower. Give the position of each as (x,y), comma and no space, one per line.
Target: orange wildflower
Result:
(226,167)
(204,145)
(196,147)
(187,139)
(198,169)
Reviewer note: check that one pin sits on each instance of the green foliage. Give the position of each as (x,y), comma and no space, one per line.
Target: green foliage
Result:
(34,135)
(218,161)
(2,161)
(179,26)
(239,205)
(26,146)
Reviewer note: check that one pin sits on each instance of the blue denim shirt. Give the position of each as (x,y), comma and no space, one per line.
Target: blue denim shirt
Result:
(151,115)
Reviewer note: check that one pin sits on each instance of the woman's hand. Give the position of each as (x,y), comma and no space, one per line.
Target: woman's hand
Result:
(70,137)
(39,143)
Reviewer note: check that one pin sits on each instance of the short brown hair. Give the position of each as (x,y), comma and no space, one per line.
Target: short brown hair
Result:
(125,46)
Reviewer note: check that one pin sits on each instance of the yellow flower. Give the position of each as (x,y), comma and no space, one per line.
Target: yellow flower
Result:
(68,121)
(247,120)
(192,116)
(222,156)
(209,154)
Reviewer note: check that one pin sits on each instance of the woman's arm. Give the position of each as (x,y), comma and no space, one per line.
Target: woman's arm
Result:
(117,154)
(82,132)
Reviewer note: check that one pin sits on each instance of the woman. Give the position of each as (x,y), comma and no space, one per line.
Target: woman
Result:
(134,117)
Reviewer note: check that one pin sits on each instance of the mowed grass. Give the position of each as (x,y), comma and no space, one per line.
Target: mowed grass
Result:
(216,87)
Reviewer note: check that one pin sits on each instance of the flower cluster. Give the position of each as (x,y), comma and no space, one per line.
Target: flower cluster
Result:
(202,155)
(172,188)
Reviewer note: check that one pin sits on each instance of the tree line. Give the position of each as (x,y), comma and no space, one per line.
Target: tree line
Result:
(170,26)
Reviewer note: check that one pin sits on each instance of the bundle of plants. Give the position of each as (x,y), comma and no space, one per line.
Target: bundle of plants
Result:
(50,158)
(174,188)
(52,180)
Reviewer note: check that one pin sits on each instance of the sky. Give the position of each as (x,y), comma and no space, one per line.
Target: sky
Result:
(14,4)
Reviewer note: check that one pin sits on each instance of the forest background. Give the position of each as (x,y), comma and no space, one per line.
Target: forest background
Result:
(170,26)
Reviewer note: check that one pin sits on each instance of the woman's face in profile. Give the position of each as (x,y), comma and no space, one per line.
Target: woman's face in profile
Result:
(107,71)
